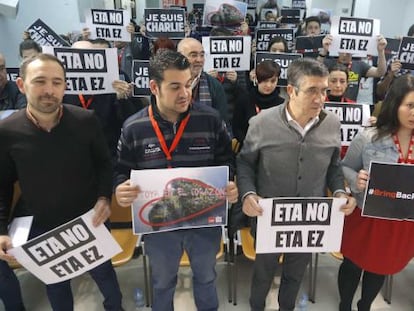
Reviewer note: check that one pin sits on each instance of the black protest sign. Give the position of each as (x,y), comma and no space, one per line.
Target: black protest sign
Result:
(267,25)
(309,45)
(43,35)
(108,24)
(165,23)
(299,4)
(406,53)
(352,117)
(140,69)
(12,74)
(263,37)
(392,48)
(299,225)
(283,60)
(389,193)
(290,16)
(227,53)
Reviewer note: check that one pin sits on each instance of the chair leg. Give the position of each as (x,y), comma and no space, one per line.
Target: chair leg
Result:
(388,288)
(148,298)
(229,259)
(313,270)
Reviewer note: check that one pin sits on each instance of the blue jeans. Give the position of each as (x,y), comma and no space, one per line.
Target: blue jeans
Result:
(165,250)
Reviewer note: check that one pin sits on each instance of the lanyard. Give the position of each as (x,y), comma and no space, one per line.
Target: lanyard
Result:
(167,151)
(85,103)
(410,149)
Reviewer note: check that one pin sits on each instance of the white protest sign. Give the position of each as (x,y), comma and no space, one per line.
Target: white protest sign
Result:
(67,251)
(227,53)
(299,225)
(108,24)
(353,118)
(88,71)
(357,36)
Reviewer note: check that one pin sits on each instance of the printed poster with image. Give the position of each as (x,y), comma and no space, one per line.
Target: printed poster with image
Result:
(389,193)
(224,13)
(179,198)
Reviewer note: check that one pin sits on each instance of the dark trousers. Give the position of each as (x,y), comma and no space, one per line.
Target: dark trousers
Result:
(10,292)
(348,280)
(264,268)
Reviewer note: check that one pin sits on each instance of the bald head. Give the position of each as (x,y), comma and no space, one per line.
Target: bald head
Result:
(194,51)
(83,45)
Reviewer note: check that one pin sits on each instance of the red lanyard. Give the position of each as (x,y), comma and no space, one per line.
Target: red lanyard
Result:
(408,158)
(167,151)
(85,103)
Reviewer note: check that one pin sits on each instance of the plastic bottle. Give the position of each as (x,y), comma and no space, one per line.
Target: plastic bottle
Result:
(303,302)
(139,299)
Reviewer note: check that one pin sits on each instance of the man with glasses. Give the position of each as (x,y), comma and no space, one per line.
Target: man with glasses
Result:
(290,150)
(10,97)
(206,89)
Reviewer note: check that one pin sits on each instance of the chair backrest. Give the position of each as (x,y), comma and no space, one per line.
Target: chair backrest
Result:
(121,217)
(247,243)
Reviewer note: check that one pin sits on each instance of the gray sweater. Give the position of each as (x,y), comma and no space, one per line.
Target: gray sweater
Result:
(276,161)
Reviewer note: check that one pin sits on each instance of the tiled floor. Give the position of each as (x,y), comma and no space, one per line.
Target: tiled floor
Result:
(88,298)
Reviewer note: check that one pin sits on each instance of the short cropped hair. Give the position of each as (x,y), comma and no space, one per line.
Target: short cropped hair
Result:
(266,70)
(43,57)
(278,39)
(166,59)
(339,67)
(305,67)
(29,44)
(312,19)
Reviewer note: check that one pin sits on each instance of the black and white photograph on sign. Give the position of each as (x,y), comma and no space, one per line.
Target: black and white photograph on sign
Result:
(406,53)
(290,16)
(299,225)
(140,78)
(165,23)
(195,16)
(179,198)
(392,48)
(299,4)
(227,53)
(267,25)
(12,73)
(389,193)
(264,36)
(224,13)
(353,117)
(282,59)
(267,10)
(89,72)
(43,35)
(325,18)
(67,251)
(110,25)
(357,36)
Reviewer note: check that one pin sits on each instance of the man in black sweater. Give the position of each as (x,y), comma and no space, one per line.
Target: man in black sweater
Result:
(59,156)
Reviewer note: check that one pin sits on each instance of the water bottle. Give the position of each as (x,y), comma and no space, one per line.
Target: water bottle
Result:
(303,302)
(139,299)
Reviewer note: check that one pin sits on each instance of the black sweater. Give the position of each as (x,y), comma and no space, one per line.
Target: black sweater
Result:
(61,172)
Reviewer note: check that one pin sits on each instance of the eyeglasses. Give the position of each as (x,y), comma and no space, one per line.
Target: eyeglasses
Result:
(313,91)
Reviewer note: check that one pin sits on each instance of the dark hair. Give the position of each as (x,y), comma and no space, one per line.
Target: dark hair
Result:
(29,44)
(339,67)
(163,43)
(312,19)
(278,39)
(305,67)
(266,70)
(166,59)
(42,57)
(410,32)
(100,41)
(220,31)
(387,121)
